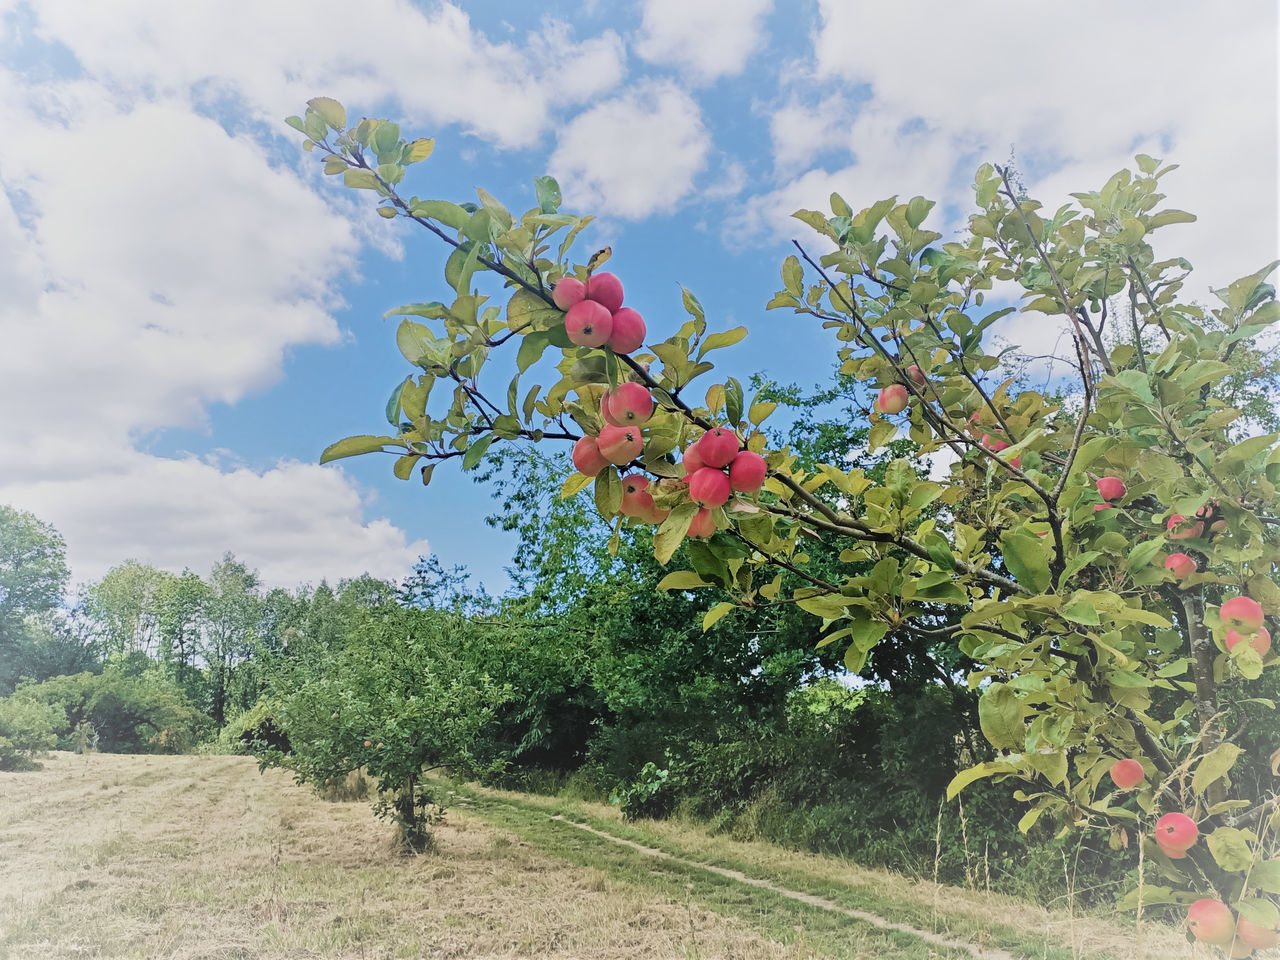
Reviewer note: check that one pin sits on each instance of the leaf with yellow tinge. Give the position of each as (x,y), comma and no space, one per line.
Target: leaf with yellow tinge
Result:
(574,484)
(599,258)
(672,531)
(420,149)
(334,113)
(354,446)
(1000,715)
(966,777)
(714,615)
(682,580)
(1230,848)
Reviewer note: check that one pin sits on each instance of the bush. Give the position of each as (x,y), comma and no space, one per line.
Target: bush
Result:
(26,732)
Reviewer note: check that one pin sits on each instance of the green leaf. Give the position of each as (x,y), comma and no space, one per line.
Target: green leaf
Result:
(386,213)
(450,214)
(793,276)
(1142,555)
(682,580)
(1214,766)
(717,340)
(418,150)
(672,531)
(548,193)
(531,349)
(733,400)
(917,210)
(760,411)
(715,614)
(982,770)
(1166,217)
(608,492)
(335,115)
(573,484)
(1264,913)
(475,453)
(403,466)
(880,434)
(1230,848)
(1000,715)
(354,446)
(1266,876)
(386,137)
(393,402)
(1027,558)
(360,179)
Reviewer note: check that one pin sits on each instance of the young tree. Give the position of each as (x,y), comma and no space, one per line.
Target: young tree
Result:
(33,579)
(1112,558)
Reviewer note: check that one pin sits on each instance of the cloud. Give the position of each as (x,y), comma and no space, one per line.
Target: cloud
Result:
(705,40)
(431,63)
(800,131)
(295,522)
(634,155)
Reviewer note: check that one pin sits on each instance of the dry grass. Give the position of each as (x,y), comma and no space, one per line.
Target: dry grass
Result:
(1086,935)
(202,857)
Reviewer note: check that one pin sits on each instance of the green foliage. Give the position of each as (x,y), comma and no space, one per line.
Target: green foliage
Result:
(33,577)
(130,714)
(392,697)
(27,729)
(1082,647)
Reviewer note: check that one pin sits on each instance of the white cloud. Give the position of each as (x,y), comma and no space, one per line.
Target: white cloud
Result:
(295,523)
(634,155)
(800,130)
(707,39)
(274,56)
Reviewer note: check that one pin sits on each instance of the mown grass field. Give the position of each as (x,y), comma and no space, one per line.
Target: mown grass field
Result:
(203,857)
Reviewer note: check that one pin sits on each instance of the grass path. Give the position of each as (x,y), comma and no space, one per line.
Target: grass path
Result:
(203,857)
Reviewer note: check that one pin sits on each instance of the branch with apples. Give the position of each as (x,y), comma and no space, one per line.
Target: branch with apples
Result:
(1109,549)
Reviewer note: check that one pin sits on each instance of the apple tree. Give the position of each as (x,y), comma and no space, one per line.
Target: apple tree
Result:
(1111,555)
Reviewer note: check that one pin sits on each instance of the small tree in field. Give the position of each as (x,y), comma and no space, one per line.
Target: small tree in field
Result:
(1113,556)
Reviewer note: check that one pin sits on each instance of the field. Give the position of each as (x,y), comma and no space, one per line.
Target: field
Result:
(203,857)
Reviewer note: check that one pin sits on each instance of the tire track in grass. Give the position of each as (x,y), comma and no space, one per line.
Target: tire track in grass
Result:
(990,953)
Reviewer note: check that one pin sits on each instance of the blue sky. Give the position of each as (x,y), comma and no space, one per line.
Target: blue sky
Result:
(192,312)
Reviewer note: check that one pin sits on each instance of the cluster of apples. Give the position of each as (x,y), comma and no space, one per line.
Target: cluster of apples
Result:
(1212,922)
(715,464)
(595,316)
(1243,617)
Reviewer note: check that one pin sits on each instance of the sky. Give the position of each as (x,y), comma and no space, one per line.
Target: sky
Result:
(190,311)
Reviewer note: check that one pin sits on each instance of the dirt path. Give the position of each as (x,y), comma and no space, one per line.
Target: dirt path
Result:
(990,953)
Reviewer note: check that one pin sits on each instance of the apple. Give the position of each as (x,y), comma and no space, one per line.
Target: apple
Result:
(1176,830)
(703,524)
(368,743)
(1242,613)
(1173,853)
(606,290)
(717,447)
(1180,528)
(1261,640)
(1254,936)
(636,499)
(1099,507)
(1111,488)
(628,405)
(1015,462)
(1180,565)
(628,331)
(655,514)
(568,291)
(587,457)
(892,399)
(588,323)
(1127,774)
(692,461)
(747,472)
(917,375)
(620,444)
(993,444)
(1211,921)
(709,487)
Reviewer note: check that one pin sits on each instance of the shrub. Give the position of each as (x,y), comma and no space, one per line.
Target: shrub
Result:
(26,732)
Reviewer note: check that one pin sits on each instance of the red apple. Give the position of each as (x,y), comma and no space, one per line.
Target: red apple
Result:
(1127,774)
(692,461)
(1177,830)
(1173,853)
(655,514)
(1211,921)
(702,525)
(568,291)
(1180,565)
(628,405)
(1099,507)
(1015,462)
(1180,528)
(1242,613)
(628,331)
(917,375)
(892,399)
(717,447)
(636,499)
(368,743)
(588,323)
(747,472)
(587,457)
(620,444)
(1254,936)
(606,290)
(709,487)
(1111,488)
(1261,641)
